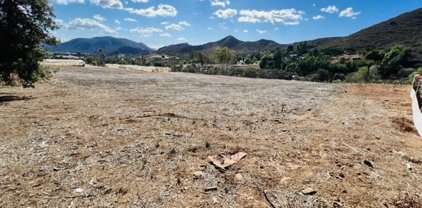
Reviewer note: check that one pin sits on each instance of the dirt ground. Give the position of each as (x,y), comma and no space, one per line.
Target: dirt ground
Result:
(94,137)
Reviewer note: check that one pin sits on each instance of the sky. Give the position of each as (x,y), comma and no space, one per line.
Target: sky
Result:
(158,23)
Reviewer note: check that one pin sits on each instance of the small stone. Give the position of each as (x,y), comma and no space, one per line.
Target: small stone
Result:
(79,190)
(309,191)
(198,174)
(238,177)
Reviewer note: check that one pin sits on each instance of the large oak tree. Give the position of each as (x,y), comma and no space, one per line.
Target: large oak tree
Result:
(24,27)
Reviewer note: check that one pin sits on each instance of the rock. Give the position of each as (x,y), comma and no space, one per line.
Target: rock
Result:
(309,191)
(368,163)
(79,190)
(238,177)
(198,174)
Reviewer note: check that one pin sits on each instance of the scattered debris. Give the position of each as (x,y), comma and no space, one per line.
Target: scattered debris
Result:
(368,163)
(308,191)
(273,200)
(215,200)
(211,188)
(198,174)
(79,190)
(222,161)
(238,177)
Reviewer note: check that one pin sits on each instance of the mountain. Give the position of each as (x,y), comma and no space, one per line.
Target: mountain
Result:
(229,42)
(110,45)
(405,29)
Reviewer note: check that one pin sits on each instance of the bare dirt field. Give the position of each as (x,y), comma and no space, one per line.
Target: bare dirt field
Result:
(95,137)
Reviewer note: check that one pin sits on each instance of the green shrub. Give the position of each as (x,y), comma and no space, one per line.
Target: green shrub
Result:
(358,77)
(412,76)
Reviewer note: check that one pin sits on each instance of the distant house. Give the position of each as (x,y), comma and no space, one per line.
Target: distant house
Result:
(241,62)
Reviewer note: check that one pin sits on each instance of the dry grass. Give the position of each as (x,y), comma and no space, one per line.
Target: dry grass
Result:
(106,137)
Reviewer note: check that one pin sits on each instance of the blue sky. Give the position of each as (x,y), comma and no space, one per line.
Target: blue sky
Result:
(163,22)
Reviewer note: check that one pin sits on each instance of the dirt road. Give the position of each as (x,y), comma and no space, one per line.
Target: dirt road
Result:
(121,138)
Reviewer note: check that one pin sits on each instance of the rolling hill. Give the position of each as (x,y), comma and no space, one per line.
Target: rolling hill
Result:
(405,29)
(110,45)
(229,42)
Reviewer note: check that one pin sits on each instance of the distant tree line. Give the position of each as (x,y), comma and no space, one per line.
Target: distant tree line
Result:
(305,63)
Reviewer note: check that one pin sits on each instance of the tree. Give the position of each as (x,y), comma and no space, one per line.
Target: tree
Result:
(301,48)
(24,26)
(101,57)
(394,60)
(224,55)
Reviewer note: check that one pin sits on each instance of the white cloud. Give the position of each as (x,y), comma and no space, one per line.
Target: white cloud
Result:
(245,31)
(116,4)
(99,18)
(82,23)
(165,35)
(318,17)
(221,3)
(330,9)
(284,16)
(349,13)
(117,22)
(165,23)
(178,26)
(225,14)
(209,28)
(184,23)
(130,20)
(174,27)
(146,32)
(162,10)
(140,1)
(65,2)
(261,31)
(182,39)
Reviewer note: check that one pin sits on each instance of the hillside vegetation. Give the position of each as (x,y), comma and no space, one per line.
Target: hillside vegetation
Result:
(405,29)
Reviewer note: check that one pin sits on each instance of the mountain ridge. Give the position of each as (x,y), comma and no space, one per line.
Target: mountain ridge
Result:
(228,41)
(108,44)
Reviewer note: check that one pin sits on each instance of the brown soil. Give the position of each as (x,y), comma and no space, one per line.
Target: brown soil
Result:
(121,138)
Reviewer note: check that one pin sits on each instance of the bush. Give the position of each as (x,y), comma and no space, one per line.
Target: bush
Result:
(358,77)
(320,76)
(412,76)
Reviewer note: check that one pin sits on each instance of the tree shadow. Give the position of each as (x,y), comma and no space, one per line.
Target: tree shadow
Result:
(5,98)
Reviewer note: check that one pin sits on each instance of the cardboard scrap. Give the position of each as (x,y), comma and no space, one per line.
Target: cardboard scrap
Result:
(222,161)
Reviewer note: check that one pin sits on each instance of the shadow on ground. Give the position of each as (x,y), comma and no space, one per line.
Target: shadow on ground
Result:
(5,98)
